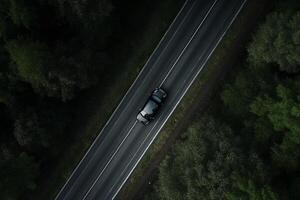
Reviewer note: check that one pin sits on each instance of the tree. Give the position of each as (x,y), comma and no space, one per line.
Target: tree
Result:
(5,96)
(277,41)
(53,74)
(201,165)
(17,175)
(93,10)
(76,70)
(237,96)
(250,82)
(283,112)
(246,189)
(2,27)
(32,60)
(28,130)
(39,128)
(20,13)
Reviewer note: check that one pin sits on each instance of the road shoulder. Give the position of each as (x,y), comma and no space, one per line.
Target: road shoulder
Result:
(226,57)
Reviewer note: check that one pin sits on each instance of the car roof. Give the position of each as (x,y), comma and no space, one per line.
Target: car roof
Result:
(156,98)
(149,107)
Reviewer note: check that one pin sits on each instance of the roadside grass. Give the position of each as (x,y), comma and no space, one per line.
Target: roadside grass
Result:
(95,105)
(227,56)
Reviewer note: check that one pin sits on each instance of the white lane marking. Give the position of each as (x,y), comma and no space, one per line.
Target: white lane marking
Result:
(148,134)
(180,11)
(151,69)
(128,133)
(190,40)
(181,53)
(179,99)
(167,45)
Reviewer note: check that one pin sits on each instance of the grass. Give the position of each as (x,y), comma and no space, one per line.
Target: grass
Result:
(94,106)
(229,53)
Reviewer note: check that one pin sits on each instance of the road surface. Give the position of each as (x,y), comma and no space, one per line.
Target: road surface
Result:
(178,59)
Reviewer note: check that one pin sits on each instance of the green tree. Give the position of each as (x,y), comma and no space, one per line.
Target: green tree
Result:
(28,130)
(76,70)
(250,82)
(277,41)
(53,74)
(5,96)
(93,10)
(283,113)
(17,175)
(37,128)
(201,165)
(20,13)
(2,28)
(32,60)
(238,95)
(246,189)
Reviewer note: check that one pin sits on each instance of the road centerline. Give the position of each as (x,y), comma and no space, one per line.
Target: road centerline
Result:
(135,154)
(114,172)
(156,48)
(201,68)
(119,146)
(169,41)
(190,40)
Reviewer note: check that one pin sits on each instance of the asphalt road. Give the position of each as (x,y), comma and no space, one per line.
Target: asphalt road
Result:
(174,65)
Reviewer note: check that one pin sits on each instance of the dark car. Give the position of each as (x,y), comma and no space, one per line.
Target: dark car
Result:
(147,113)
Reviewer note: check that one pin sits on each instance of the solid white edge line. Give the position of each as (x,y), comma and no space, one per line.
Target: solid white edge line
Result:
(180,98)
(181,53)
(164,79)
(122,99)
(148,134)
(112,157)
(166,46)
(190,40)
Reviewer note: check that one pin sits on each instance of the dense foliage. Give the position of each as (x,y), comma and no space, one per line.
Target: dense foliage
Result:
(49,52)
(250,150)
(60,62)
(204,162)
(53,54)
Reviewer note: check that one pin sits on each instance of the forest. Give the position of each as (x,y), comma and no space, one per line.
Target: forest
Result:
(246,146)
(51,51)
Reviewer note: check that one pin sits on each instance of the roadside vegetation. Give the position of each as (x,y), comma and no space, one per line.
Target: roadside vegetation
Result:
(198,99)
(61,65)
(246,144)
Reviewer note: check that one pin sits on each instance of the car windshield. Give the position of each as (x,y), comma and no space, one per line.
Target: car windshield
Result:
(149,108)
(156,98)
